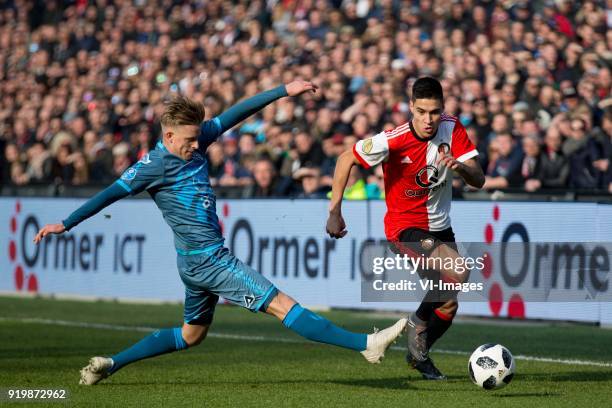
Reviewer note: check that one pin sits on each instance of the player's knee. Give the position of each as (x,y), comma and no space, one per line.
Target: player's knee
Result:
(280,305)
(194,335)
(195,340)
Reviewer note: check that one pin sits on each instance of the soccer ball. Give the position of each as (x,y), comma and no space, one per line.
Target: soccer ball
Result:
(491,366)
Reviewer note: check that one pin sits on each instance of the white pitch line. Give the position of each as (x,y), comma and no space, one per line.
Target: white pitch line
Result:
(146,329)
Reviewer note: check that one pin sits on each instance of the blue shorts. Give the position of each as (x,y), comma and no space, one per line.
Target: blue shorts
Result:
(217,272)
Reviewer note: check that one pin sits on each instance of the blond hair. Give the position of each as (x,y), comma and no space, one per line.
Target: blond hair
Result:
(182,111)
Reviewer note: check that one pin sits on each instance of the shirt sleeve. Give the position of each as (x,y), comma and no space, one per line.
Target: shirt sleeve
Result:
(95,204)
(461,147)
(372,151)
(210,130)
(146,173)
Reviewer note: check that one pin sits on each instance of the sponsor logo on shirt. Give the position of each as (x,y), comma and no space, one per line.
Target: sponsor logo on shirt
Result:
(129,174)
(427,176)
(424,191)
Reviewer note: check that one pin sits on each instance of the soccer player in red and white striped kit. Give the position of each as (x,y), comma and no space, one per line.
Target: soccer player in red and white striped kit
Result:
(418,159)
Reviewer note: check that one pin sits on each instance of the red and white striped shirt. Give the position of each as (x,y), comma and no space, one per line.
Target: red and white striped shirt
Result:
(418,191)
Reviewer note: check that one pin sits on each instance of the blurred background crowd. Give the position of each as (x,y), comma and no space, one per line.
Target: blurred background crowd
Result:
(82,86)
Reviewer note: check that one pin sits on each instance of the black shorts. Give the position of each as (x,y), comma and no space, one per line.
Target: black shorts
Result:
(418,242)
(424,242)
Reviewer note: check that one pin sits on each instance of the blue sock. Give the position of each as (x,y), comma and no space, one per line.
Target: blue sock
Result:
(316,328)
(159,342)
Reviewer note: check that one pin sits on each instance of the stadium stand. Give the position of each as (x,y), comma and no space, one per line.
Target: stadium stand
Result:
(82,84)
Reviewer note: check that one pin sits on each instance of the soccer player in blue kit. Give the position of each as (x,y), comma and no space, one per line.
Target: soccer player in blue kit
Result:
(175,175)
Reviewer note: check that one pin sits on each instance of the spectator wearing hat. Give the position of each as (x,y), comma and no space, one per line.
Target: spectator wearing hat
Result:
(572,103)
(521,12)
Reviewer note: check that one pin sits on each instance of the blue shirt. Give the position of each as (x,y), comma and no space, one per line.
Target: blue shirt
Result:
(181,190)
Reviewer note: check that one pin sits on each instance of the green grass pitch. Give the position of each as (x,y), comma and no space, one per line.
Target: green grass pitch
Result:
(251,361)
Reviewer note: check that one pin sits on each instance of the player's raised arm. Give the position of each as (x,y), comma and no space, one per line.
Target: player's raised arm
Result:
(146,173)
(248,107)
(212,129)
(94,205)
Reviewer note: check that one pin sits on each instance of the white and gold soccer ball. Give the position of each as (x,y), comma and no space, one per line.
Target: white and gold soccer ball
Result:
(491,366)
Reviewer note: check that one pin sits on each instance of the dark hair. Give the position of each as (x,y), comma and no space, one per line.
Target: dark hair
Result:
(182,111)
(427,88)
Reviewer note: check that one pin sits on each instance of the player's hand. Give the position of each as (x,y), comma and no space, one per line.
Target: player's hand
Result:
(449,161)
(298,87)
(336,227)
(49,229)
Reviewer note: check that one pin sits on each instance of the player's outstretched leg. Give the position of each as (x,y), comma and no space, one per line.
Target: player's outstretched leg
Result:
(157,343)
(317,328)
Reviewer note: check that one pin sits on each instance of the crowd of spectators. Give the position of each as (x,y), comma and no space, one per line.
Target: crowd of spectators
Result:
(82,86)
